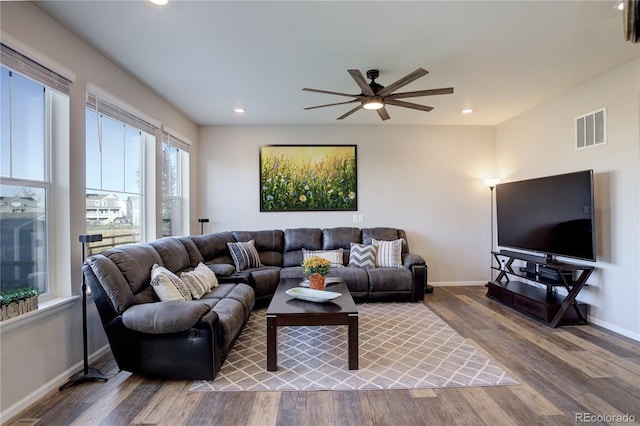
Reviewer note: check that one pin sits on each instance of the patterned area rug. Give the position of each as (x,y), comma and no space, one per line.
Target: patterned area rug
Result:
(402,346)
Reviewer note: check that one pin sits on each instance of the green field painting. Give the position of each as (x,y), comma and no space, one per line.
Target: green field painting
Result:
(308,178)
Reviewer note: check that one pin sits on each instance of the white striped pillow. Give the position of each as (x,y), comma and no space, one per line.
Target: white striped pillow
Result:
(389,253)
(333,256)
(200,281)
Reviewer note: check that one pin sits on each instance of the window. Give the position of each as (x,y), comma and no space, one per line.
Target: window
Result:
(174,180)
(34,107)
(120,143)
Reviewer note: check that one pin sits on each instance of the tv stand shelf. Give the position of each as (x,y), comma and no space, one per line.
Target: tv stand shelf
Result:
(547,305)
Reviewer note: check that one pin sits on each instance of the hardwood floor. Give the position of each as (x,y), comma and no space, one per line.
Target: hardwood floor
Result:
(563,373)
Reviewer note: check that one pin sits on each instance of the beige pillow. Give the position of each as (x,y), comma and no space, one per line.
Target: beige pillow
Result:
(167,285)
(333,256)
(389,253)
(200,281)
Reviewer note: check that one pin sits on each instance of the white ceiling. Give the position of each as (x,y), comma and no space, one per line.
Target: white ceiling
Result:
(207,57)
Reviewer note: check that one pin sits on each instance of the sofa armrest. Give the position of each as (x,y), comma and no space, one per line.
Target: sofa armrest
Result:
(164,317)
(411,259)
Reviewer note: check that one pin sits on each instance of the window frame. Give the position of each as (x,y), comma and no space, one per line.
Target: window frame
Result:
(104,105)
(183,145)
(56,107)
(177,197)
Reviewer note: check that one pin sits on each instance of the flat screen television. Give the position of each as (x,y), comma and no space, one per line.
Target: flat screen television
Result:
(552,215)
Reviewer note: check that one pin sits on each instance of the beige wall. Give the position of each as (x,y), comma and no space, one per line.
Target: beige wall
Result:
(426,180)
(37,356)
(540,142)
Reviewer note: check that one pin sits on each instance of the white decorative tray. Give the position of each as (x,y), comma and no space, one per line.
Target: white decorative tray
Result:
(310,295)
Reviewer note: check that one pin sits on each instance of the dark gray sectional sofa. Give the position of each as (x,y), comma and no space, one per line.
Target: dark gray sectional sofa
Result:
(190,339)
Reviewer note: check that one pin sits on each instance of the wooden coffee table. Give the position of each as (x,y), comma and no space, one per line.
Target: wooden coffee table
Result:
(285,310)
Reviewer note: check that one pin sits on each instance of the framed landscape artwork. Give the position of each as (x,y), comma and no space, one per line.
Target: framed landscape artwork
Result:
(308,178)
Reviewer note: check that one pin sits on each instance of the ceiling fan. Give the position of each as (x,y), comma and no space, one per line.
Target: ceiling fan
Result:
(375,96)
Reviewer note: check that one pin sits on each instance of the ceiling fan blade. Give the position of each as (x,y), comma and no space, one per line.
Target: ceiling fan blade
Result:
(328,105)
(306,89)
(362,83)
(384,115)
(348,113)
(417,93)
(402,82)
(408,105)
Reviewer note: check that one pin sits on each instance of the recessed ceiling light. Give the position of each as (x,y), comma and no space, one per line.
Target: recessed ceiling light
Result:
(159,2)
(467,111)
(239,110)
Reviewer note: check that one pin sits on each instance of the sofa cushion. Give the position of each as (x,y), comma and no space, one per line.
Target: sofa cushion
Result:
(389,280)
(265,280)
(246,296)
(244,255)
(362,255)
(222,269)
(173,253)
(333,256)
(167,285)
(269,244)
(297,239)
(231,315)
(388,253)
(164,317)
(220,292)
(356,279)
(333,238)
(192,250)
(112,282)
(213,247)
(135,262)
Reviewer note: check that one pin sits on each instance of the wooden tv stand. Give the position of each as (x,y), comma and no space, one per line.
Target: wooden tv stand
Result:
(545,304)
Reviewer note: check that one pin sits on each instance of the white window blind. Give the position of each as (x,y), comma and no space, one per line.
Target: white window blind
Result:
(28,67)
(102,103)
(173,138)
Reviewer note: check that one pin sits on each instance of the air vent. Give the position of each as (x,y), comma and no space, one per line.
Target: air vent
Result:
(591,129)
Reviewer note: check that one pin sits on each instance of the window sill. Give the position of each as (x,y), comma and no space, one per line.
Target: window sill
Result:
(45,309)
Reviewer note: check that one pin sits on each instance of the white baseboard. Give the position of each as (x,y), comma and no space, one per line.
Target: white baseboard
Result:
(615,329)
(456,283)
(52,384)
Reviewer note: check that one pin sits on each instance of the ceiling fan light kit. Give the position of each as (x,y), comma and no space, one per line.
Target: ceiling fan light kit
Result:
(375,96)
(372,103)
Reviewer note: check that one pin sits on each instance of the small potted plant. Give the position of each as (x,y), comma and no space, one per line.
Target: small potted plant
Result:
(17,302)
(316,269)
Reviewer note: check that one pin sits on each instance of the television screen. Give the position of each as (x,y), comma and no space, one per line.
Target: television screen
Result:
(551,215)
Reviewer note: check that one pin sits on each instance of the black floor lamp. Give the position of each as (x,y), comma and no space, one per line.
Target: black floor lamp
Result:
(491,183)
(202,222)
(87,374)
